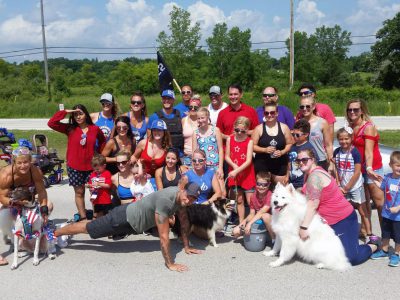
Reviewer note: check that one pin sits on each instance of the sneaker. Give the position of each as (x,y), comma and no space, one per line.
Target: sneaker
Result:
(374,240)
(394,260)
(380,254)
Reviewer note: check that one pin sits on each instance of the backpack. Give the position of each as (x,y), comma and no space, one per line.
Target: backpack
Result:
(174,127)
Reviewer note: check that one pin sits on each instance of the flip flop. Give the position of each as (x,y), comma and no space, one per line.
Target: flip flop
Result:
(3,261)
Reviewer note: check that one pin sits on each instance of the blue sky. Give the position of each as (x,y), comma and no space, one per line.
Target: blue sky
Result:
(129,23)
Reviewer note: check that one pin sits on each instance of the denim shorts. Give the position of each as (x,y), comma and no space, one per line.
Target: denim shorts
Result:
(368,180)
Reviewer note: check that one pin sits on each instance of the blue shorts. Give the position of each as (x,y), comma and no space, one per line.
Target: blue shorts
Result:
(76,177)
(391,230)
(368,180)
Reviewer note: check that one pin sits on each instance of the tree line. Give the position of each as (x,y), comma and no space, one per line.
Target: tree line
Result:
(321,58)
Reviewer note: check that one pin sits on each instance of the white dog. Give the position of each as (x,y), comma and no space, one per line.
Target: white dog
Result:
(323,248)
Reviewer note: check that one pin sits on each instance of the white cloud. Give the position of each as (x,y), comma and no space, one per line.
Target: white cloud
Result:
(308,16)
(60,32)
(206,15)
(19,31)
(276,20)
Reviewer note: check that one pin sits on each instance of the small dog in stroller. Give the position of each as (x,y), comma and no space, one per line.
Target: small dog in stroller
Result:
(47,160)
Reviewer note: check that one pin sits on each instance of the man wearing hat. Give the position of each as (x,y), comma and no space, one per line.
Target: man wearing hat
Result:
(140,216)
(105,118)
(216,103)
(172,117)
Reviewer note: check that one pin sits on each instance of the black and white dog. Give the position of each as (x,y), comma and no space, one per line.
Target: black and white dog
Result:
(206,218)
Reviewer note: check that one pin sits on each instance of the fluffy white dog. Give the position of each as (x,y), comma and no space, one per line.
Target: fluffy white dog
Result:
(323,248)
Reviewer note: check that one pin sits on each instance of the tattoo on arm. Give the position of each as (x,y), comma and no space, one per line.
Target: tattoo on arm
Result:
(161,219)
(163,229)
(314,187)
(184,221)
(165,251)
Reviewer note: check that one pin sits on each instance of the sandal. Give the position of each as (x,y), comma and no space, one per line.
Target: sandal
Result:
(3,261)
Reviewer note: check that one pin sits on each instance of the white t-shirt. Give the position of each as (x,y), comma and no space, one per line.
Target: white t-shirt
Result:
(214,113)
(139,191)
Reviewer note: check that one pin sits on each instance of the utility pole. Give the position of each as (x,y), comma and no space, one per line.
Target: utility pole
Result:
(291,48)
(46,68)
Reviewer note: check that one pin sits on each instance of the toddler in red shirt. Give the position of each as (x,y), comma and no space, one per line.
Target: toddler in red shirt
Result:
(99,185)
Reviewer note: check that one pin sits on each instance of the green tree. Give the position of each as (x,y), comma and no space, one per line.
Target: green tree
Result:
(386,53)
(179,48)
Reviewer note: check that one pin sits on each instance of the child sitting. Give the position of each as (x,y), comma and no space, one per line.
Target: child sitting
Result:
(391,212)
(300,133)
(141,185)
(260,204)
(100,186)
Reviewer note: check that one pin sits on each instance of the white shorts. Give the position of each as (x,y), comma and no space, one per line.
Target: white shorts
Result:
(356,196)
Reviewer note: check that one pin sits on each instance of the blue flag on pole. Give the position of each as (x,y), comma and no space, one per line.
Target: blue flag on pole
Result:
(165,77)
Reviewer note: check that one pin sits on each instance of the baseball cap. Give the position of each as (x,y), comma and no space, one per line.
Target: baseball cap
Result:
(168,93)
(192,189)
(106,97)
(158,124)
(215,89)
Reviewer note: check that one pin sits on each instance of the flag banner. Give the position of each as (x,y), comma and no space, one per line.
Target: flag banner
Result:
(165,77)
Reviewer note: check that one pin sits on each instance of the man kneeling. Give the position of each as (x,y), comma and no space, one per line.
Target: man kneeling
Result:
(153,210)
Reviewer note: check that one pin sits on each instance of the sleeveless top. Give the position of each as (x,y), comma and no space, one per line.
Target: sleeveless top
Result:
(29,188)
(106,125)
(333,206)
(278,141)
(204,181)
(359,143)
(139,133)
(238,154)
(317,139)
(210,146)
(174,126)
(112,166)
(150,164)
(124,193)
(167,183)
(187,137)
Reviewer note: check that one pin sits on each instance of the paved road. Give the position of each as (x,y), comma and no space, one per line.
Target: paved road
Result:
(133,268)
(382,122)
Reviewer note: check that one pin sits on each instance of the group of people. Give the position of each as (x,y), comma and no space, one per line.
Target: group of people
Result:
(190,153)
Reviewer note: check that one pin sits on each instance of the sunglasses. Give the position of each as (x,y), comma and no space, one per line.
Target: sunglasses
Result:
(136,102)
(305,93)
(122,128)
(297,135)
(240,130)
(193,107)
(303,160)
(213,95)
(83,139)
(186,92)
(270,113)
(263,184)
(198,160)
(353,110)
(305,107)
(268,95)
(106,103)
(122,163)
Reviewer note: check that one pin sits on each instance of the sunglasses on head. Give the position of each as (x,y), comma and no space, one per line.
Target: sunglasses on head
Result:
(353,110)
(136,102)
(270,113)
(297,135)
(303,107)
(306,93)
(262,184)
(193,107)
(186,92)
(303,160)
(198,160)
(268,95)
(238,130)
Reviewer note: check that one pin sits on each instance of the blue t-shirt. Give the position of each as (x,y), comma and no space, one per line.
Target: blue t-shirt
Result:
(390,187)
(285,115)
(204,182)
(296,176)
(183,109)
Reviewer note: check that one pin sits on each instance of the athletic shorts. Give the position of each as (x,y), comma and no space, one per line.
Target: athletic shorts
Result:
(356,196)
(113,223)
(76,177)
(391,230)
(368,180)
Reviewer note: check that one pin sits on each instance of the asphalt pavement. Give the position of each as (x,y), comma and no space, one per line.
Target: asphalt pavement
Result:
(134,268)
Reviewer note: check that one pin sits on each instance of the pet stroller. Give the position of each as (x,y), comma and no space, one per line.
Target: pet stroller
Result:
(6,140)
(47,160)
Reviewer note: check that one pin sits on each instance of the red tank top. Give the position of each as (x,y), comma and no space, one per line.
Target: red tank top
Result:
(359,142)
(333,206)
(150,164)
(246,179)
